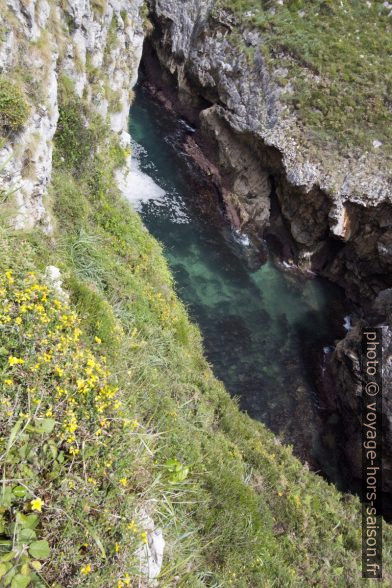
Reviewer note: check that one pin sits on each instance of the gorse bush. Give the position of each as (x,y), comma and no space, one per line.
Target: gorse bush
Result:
(14,109)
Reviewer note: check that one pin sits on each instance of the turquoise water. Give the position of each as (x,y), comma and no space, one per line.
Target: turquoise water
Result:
(264,328)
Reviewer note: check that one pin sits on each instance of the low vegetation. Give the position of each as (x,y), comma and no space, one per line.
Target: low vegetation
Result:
(14,109)
(339,68)
(110,411)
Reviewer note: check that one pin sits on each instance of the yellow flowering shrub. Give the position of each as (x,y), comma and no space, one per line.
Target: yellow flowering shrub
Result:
(59,412)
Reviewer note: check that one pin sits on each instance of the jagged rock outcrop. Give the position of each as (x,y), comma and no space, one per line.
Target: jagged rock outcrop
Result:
(96,44)
(346,365)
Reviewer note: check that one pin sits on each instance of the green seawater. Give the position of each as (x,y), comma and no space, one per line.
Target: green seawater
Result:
(265,330)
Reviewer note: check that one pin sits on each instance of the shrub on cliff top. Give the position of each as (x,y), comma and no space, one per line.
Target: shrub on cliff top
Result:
(14,109)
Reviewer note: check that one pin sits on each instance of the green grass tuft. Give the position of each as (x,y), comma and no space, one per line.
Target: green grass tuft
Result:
(14,110)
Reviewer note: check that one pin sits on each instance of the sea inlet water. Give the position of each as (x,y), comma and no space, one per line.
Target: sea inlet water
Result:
(264,330)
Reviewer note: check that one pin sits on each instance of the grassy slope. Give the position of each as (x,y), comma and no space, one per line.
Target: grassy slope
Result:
(336,54)
(245,514)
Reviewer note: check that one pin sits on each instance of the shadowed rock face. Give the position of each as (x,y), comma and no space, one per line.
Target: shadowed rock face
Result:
(347,371)
(322,212)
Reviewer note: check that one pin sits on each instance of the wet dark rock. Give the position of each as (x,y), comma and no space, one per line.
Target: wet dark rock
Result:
(346,367)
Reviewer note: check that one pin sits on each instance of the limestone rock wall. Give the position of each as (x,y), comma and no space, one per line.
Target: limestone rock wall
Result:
(98,44)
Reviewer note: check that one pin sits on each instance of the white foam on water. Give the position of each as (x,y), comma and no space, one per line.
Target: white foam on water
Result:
(139,188)
(136,186)
(241,238)
(186,125)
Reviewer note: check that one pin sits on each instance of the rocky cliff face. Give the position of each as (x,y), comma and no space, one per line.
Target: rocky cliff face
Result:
(327,201)
(327,213)
(346,366)
(98,45)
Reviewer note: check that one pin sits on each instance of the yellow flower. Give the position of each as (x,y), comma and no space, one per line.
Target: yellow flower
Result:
(86,569)
(132,526)
(98,340)
(8,275)
(123,481)
(15,360)
(143,537)
(18,320)
(36,504)
(8,382)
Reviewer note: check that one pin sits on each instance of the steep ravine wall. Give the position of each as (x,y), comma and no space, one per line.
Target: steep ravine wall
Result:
(95,47)
(242,476)
(95,44)
(322,196)
(321,212)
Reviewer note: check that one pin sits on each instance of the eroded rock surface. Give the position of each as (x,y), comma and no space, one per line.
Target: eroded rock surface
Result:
(322,195)
(98,47)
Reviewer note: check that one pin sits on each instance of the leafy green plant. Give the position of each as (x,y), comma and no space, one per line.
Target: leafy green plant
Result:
(176,471)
